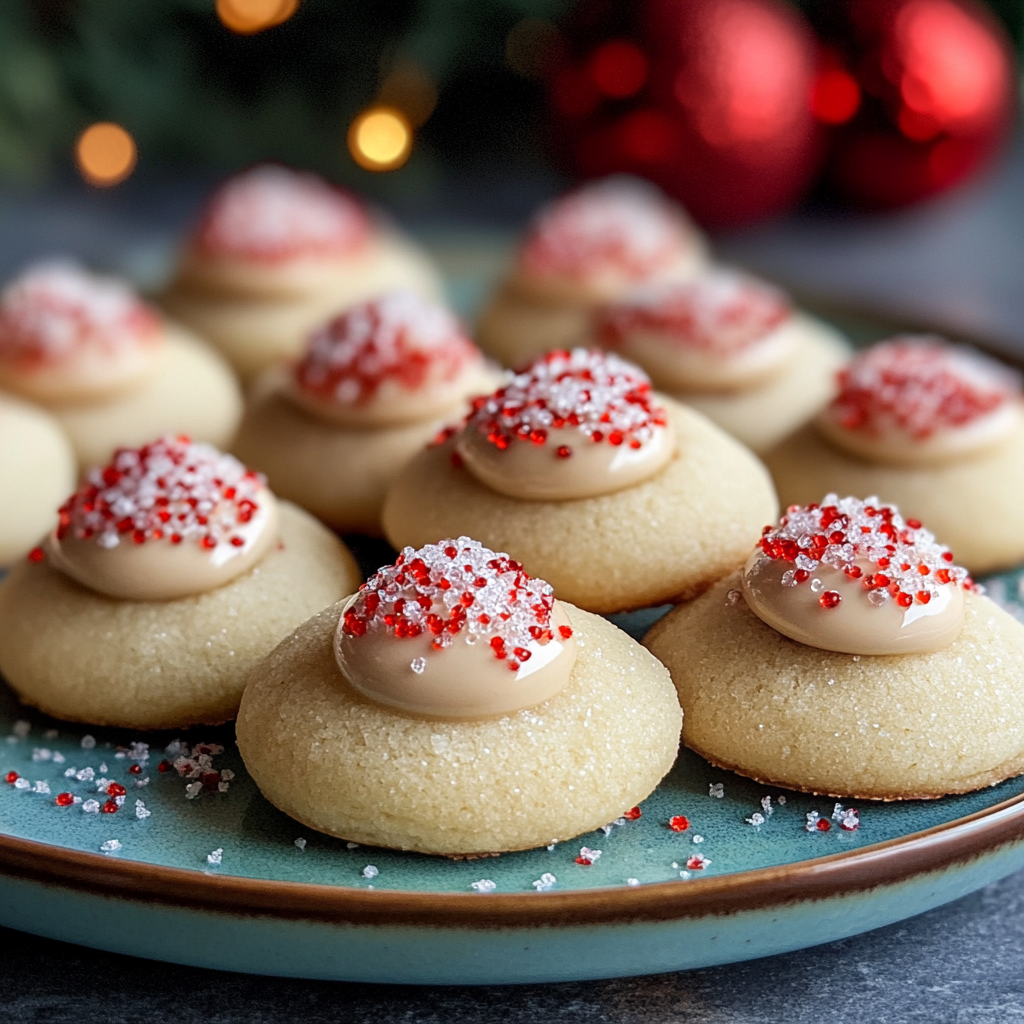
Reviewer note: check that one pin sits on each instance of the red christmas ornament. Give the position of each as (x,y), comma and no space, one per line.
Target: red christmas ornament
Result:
(923,91)
(710,100)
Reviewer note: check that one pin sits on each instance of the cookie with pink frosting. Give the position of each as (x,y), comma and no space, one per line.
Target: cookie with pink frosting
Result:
(106,365)
(454,706)
(277,251)
(582,250)
(373,386)
(618,496)
(730,346)
(933,427)
(853,657)
(164,578)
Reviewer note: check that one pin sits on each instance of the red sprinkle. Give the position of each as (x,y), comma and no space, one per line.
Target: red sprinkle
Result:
(11,778)
(398,337)
(64,799)
(272,213)
(206,494)
(614,226)
(110,807)
(920,385)
(604,398)
(429,591)
(632,814)
(720,311)
(679,823)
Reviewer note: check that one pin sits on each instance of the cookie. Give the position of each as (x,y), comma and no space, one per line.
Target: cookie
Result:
(730,346)
(374,386)
(934,429)
(146,611)
(688,503)
(361,768)
(274,254)
(107,366)
(580,251)
(37,466)
(773,686)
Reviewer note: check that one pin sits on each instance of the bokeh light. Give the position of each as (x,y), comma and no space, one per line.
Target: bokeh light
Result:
(618,68)
(246,17)
(380,139)
(836,96)
(105,154)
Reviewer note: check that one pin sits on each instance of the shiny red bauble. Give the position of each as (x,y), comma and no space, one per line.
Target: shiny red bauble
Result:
(931,85)
(710,99)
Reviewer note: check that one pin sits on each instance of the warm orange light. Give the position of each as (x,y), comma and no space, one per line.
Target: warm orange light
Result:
(248,16)
(380,139)
(105,154)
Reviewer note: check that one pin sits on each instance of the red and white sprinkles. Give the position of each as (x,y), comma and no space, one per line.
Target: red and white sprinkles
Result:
(919,386)
(617,225)
(171,490)
(910,566)
(721,312)
(453,587)
(607,399)
(399,337)
(274,213)
(54,310)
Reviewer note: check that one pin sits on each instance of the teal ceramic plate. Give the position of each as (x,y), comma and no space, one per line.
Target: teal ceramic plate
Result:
(101,847)
(204,871)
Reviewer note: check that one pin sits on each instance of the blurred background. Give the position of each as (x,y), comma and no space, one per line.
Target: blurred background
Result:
(825,141)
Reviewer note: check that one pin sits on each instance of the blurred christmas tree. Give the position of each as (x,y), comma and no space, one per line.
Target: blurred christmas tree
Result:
(195,94)
(465,73)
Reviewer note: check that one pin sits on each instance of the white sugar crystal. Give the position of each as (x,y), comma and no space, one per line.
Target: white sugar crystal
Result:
(370,871)
(545,882)
(215,857)
(91,806)
(88,742)
(111,846)
(300,843)
(484,885)
(141,811)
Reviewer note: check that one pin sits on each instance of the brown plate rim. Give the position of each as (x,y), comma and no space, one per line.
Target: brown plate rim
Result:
(882,864)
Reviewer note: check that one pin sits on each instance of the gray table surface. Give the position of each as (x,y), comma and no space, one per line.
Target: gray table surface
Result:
(957,261)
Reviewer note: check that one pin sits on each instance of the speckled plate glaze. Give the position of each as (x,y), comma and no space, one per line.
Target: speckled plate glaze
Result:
(222,879)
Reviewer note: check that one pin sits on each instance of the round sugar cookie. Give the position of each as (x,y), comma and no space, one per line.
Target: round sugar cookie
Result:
(339,475)
(355,769)
(37,467)
(257,330)
(516,327)
(78,655)
(763,415)
(974,505)
(663,539)
(191,390)
(882,727)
